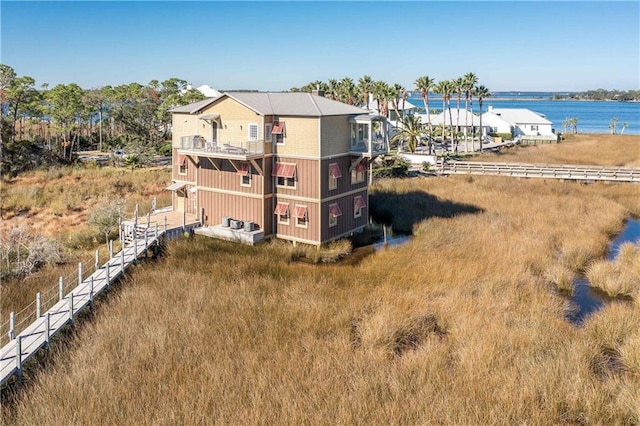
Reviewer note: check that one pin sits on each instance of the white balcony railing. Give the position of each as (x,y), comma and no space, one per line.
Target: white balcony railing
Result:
(204,145)
(376,146)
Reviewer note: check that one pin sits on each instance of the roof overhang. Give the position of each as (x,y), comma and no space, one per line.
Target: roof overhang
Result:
(175,186)
(366,118)
(212,117)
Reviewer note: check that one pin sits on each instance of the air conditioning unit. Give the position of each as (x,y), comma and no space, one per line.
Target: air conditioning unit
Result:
(225,221)
(235,224)
(249,226)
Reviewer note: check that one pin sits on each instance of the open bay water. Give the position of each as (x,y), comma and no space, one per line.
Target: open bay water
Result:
(593,116)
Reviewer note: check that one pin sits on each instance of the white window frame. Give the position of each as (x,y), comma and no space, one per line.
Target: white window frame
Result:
(306,218)
(267,132)
(248,177)
(284,219)
(285,180)
(333,220)
(333,181)
(279,139)
(357,211)
(354,176)
(183,168)
(250,127)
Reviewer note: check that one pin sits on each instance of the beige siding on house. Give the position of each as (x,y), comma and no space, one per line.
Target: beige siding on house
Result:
(301,137)
(336,134)
(234,121)
(183,125)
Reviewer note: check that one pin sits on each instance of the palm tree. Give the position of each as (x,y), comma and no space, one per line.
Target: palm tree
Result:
(624,126)
(379,89)
(470,81)
(410,132)
(347,90)
(482,93)
(444,88)
(332,89)
(574,124)
(394,96)
(364,84)
(458,87)
(424,85)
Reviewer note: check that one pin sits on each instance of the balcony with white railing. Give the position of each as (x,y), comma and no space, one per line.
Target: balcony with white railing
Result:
(369,136)
(201,146)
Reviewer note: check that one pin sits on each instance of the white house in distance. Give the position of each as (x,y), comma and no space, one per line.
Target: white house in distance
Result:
(520,122)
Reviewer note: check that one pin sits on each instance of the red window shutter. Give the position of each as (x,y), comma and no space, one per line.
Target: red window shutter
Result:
(282,209)
(335,211)
(244,169)
(300,212)
(334,170)
(359,202)
(278,128)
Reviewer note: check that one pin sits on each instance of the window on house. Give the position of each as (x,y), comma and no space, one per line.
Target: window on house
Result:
(358,205)
(278,132)
(253,132)
(182,165)
(267,132)
(357,173)
(334,174)
(245,174)
(534,127)
(285,174)
(302,218)
(282,211)
(334,213)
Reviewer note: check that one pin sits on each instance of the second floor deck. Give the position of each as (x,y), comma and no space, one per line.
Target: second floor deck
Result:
(202,146)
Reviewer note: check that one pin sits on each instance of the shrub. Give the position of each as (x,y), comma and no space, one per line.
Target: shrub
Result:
(391,166)
(22,253)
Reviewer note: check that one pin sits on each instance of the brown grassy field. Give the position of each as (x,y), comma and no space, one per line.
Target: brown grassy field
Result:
(603,150)
(460,326)
(56,203)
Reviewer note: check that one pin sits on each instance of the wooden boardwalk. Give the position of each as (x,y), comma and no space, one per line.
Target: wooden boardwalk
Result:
(546,171)
(37,335)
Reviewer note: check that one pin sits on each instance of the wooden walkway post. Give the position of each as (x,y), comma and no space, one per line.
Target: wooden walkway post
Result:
(12,325)
(19,355)
(47,323)
(60,289)
(108,278)
(110,249)
(184,220)
(79,273)
(146,242)
(91,292)
(122,259)
(71,307)
(38,305)
(97,264)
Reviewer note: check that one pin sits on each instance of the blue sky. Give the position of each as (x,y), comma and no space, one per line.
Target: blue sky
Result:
(555,46)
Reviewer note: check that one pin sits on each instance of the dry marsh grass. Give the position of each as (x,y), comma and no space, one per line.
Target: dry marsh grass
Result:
(56,203)
(603,150)
(620,277)
(459,326)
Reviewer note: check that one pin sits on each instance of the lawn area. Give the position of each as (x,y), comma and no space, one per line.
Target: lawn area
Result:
(603,150)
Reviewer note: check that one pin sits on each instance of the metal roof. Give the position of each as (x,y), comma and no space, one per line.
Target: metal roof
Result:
(286,103)
(519,116)
(193,107)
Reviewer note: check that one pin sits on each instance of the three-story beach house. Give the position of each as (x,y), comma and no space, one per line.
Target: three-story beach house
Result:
(292,165)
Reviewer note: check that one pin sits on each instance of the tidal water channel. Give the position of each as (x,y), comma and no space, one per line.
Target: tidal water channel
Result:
(586,299)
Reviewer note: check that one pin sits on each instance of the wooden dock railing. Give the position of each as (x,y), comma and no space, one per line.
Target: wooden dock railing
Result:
(33,327)
(547,171)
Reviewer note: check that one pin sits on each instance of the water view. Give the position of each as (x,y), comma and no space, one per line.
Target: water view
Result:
(593,116)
